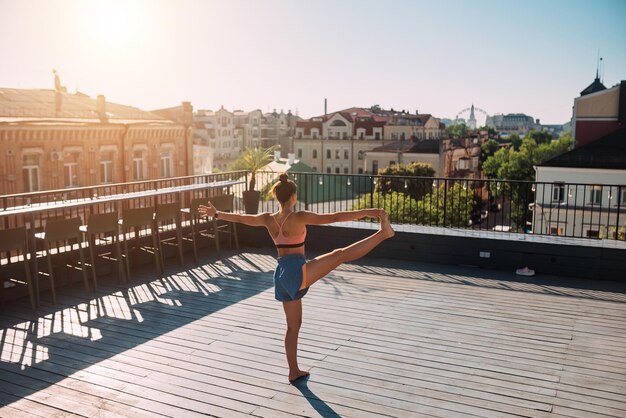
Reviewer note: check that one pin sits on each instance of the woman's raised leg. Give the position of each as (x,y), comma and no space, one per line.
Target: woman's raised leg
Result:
(293,314)
(324,264)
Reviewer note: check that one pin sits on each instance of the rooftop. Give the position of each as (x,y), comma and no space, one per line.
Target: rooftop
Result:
(380,337)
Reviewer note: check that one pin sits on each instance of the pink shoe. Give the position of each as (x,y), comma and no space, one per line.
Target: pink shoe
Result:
(525,272)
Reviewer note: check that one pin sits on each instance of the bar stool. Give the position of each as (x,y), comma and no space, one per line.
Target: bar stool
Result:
(136,219)
(224,203)
(164,215)
(99,227)
(15,239)
(62,230)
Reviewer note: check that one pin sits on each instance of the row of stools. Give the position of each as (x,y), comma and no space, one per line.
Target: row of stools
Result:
(106,228)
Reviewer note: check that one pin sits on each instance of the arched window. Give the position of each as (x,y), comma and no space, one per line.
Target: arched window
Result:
(360,155)
(338,122)
(314,153)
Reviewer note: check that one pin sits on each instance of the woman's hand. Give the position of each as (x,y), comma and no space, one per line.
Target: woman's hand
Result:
(205,211)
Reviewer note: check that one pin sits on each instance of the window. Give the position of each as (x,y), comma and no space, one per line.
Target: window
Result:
(314,154)
(70,174)
(31,178)
(558,192)
(375,166)
(71,169)
(138,165)
(314,134)
(344,135)
(345,170)
(328,170)
(622,197)
(462,164)
(361,136)
(595,195)
(337,154)
(299,152)
(402,136)
(360,155)
(377,136)
(300,135)
(592,233)
(360,171)
(556,230)
(345,154)
(166,163)
(106,171)
(328,154)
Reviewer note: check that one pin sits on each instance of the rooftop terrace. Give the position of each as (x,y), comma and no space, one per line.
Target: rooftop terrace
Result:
(380,337)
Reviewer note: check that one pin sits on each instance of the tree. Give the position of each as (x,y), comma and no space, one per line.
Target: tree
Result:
(512,164)
(447,206)
(540,137)
(458,130)
(515,140)
(253,159)
(401,208)
(490,130)
(488,148)
(416,188)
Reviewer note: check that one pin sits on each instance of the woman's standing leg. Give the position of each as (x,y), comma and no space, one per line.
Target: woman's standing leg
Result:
(293,314)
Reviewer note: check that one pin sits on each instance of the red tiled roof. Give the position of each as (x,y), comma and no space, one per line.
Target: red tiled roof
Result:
(308,125)
(368,125)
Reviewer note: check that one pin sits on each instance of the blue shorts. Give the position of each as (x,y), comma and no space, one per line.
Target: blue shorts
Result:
(288,278)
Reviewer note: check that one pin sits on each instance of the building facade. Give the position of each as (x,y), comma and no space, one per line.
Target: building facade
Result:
(338,142)
(598,111)
(52,140)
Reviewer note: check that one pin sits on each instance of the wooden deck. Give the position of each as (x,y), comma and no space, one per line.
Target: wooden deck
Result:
(380,337)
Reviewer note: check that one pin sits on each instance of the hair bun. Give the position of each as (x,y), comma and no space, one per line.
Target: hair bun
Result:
(283,177)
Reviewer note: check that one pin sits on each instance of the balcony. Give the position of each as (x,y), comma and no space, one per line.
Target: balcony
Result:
(414,329)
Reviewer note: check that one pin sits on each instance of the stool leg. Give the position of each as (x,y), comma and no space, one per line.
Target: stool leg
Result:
(179,239)
(159,247)
(126,262)
(156,244)
(92,244)
(83,266)
(216,237)
(49,259)
(29,280)
(193,239)
(118,255)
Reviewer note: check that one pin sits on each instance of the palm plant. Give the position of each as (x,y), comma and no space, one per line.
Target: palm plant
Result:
(252,160)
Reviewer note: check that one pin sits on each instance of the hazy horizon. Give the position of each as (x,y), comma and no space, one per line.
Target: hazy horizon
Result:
(504,57)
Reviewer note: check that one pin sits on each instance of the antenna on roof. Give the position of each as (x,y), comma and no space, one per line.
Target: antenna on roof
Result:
(598,59)
(601,70)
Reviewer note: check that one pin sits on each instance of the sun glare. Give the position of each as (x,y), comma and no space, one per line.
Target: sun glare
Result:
(109,23)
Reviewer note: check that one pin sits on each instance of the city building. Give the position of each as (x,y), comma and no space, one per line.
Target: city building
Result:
(598,111)
(461,157)
(337,142)
(51,139)
(589,183)
(513,122)
(404,152)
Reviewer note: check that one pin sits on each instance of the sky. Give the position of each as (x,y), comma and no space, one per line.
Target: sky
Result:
(436,57)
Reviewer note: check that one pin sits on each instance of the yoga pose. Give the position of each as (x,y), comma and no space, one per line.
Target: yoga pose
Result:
(294,275)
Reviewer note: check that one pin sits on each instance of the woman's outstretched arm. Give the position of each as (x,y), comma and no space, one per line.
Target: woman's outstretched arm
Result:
(252,220)
(312,218)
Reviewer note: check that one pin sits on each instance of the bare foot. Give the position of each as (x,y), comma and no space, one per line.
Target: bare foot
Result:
(385,226)
(293,377)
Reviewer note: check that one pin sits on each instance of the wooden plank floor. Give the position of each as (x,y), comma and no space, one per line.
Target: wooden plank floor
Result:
(380,337)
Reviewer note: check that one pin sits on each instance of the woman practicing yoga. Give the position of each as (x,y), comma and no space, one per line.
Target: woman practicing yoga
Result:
(294,275)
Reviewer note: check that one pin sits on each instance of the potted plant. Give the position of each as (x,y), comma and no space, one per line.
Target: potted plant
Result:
(252,160)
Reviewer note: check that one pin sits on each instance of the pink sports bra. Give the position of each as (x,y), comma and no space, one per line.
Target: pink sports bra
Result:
(282,241)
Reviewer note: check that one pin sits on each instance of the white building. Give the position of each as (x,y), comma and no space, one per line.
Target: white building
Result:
(583,192)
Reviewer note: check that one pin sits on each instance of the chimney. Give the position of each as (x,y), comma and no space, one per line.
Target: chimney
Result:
(291,158)
(325,109)
(101,106)
(187,113)
(417,112)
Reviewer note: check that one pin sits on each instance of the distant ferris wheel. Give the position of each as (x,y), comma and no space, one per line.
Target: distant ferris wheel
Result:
(467,111)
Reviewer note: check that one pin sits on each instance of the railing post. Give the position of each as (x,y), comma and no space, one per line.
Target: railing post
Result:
(306,191)
(445,201)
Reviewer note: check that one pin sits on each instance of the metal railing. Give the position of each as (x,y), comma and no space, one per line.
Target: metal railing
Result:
(565,209)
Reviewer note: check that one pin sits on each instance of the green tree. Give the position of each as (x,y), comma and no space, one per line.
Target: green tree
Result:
(490,130)
(458,130)
(450,207)
(488,148)
(401,207)
(540,137)
(416,188)
(511,164)
(515,140)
